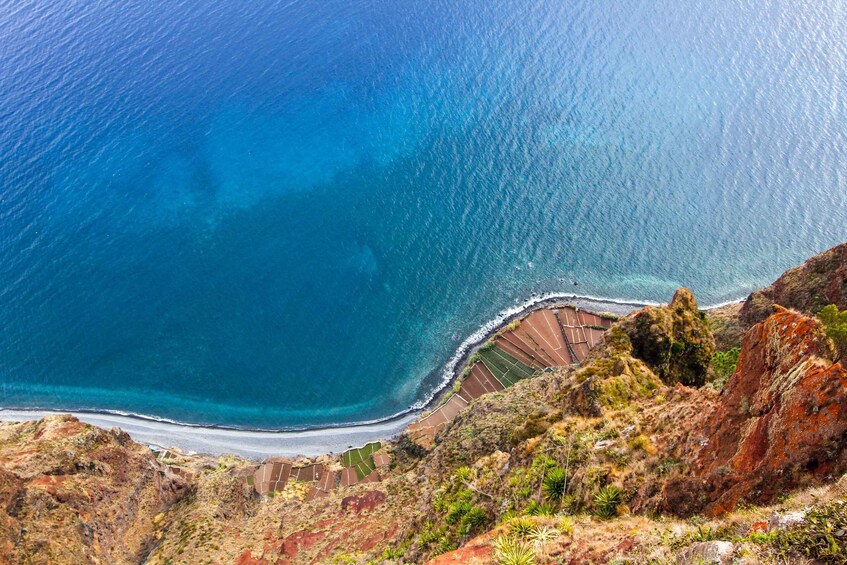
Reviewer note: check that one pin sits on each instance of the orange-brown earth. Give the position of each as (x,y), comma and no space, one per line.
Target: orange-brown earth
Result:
(73,493)
(748,472)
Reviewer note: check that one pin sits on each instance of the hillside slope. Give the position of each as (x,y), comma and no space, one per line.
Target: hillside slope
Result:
(641,454)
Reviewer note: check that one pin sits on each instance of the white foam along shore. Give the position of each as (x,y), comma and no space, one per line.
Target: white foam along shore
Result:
(454,366)
(258,444)
(251,444)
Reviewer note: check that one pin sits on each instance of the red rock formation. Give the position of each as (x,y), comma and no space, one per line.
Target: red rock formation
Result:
(782,418)
(809,287)
(365,503)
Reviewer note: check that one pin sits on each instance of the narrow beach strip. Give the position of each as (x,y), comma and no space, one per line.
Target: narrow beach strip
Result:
(246,443)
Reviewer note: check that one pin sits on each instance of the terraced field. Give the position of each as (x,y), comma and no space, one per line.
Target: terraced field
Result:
(545,338)
(505,368)
(358,465)
(361,459)
(550,337)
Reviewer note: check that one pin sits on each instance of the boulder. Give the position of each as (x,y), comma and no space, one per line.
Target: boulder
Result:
(785,520)
(707,552)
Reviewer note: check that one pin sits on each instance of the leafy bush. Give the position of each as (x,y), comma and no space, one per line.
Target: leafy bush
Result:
(511,551)
(570,504)
(430,534)
(521,527)
(642,443)
(472,519)
(538,509)
(835,323)
(723,365)
(607,501)
(445,545)
(457,510)
(463,473)
(566,525)
(555,483)
(822,536)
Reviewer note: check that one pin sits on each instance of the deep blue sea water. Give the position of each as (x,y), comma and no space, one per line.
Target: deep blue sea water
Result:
(291,213)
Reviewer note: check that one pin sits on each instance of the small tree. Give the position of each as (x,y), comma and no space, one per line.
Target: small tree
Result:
(835,323)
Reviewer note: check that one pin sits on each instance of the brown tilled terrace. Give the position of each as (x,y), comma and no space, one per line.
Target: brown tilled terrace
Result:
(549,337)
(545,338)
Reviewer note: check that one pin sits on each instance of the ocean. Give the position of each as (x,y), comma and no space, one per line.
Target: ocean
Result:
(291,214)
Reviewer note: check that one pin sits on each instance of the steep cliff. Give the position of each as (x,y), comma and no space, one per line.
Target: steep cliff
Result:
(807,288)
(631,456)
(73,493)
(675,340)
(780,422)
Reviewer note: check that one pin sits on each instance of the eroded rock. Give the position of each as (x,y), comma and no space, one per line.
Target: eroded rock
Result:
(674,340)
(782,417)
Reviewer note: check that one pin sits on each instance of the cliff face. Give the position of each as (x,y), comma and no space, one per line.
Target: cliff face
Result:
(73,493)
(592,463)
(780,422)
(807,288)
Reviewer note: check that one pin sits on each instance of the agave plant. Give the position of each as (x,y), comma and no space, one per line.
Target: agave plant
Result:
(555,483)
(512,551)
(522,527)
(542,536)
(608,500)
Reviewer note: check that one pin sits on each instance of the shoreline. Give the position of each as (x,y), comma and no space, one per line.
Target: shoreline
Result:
(454,367)
(258,443)
(250,444)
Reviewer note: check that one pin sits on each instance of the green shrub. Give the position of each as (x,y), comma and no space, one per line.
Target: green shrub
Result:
(473,518)
(511,551)
(463,473)
(555,483)
(445,545)
(538,509)
(543,462)
(570,504)
(457,511)
(521,527)
(822,535)
(607,501)
(723,365)
(835,323)
(566,525)
(429,534)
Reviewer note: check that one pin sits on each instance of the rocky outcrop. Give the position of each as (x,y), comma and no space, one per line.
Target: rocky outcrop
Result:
(674,340)
(782,420)
(73,493)
(819,281)
(507,467)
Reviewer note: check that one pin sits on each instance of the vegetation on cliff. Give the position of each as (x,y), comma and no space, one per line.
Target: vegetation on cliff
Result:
(835,323)
(808,288)
(626,458)
(674,340)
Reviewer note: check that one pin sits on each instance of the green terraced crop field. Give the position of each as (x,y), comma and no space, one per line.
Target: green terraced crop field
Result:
(361,459)
(506,368)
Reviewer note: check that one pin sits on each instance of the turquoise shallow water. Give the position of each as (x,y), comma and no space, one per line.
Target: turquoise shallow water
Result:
(291,214)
